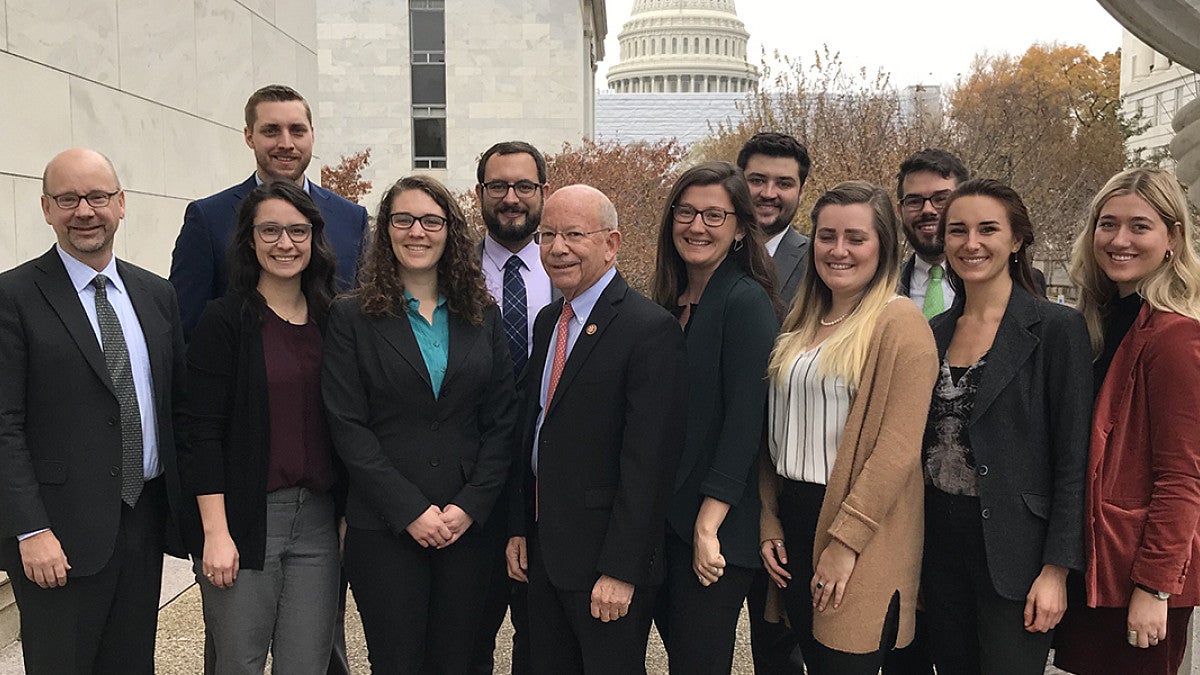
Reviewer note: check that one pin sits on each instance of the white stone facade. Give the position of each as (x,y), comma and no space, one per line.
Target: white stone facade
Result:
(670,46)
(157,85)
(515,70)
(1157,89)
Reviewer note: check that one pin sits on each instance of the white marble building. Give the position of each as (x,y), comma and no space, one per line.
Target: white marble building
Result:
(157,85)
(429,85)
(1157,88)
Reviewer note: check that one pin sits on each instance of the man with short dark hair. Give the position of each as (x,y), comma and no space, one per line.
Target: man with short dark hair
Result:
(91,353)
(776,166)
(511,191)
(279,131)
(923,187)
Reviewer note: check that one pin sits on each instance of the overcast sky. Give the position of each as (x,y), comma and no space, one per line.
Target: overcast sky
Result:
(922,42)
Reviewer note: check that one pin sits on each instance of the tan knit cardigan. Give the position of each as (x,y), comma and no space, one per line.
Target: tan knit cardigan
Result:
(874,502)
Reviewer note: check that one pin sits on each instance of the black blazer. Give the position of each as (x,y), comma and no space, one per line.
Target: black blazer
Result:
(1029,431)
(790,260)
(403,448)
(729,338)
(60,431)
(609,443)
(229,424)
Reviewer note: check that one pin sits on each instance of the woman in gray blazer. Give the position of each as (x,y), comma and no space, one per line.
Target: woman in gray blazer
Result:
(1005,446)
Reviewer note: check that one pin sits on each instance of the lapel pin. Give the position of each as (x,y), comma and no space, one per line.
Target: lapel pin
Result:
(591,329)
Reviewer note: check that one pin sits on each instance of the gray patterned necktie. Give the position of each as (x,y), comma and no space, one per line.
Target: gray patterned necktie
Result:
(116,358)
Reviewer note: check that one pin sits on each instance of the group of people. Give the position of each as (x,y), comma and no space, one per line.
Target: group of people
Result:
(896,464)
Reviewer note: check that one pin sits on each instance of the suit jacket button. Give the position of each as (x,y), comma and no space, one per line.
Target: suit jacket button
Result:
(114,471)
(983,470)
(986,513)
(434,462)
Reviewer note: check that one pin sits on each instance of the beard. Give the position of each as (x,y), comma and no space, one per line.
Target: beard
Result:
(514,231)
(923,248)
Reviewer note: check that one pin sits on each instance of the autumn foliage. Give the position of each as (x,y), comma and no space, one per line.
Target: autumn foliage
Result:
(345,178)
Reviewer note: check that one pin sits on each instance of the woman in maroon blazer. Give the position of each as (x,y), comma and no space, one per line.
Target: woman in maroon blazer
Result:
(1139,282)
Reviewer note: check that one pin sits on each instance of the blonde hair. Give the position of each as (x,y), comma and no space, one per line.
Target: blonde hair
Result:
(1173,287)
(844,352)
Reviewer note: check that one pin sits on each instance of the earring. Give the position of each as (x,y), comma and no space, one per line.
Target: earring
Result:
(738,244)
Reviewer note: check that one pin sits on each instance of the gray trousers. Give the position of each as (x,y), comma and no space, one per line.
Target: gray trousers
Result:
(290,605)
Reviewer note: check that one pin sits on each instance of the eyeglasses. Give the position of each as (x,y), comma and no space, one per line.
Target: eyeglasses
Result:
(429,222)
(270,233)
(571,237)
(497,189)
(713,217)
(69,201)
(939,200)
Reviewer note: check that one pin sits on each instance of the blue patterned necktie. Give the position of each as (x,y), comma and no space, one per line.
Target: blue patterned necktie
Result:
(116,358)
(516,313)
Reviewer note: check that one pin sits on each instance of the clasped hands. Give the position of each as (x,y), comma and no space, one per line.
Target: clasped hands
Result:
(439,528)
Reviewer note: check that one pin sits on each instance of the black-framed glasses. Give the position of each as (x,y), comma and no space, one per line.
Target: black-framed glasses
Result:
(939,200)
(270,233)
(713,217)
(429,222)
(571,237)
(497,189)
(69,201)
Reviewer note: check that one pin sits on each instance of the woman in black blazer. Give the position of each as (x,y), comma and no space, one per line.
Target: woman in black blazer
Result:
(1005,446)
(418,386)
(259,459)
(715,275)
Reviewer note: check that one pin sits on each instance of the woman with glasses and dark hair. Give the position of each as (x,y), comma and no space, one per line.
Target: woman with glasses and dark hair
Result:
(418,385)
(1139,290)
(715,275)
(1005,447)
(849,378)
(259,457)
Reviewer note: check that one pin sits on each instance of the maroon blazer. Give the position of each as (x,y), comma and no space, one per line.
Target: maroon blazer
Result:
(1143,497)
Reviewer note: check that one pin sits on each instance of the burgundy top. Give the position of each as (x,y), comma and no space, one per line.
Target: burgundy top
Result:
(301,450)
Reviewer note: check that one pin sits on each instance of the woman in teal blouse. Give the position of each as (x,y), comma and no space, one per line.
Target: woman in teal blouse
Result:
(417,383)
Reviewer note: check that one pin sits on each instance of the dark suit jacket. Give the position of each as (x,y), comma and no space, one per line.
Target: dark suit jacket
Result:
(1029,433)
(228,422)
(609,442)
(1144,471)
(729,339)
(60,431)
(790,260)
(198,263)
(405,449)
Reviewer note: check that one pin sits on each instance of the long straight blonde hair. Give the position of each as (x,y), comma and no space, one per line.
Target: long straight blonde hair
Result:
(1172,287)
(845,351)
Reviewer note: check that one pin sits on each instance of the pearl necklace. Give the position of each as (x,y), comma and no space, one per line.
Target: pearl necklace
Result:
(835,321)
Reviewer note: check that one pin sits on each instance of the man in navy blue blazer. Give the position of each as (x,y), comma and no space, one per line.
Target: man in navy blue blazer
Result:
(279,131)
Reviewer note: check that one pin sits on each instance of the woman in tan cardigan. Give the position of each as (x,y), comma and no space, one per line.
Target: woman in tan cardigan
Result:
(841,487)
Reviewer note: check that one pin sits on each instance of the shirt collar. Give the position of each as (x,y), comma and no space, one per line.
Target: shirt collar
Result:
(82,274)
(583,303)
(259,181)
(495,253)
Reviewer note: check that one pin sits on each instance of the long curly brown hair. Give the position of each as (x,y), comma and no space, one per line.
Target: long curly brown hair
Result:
(459,275)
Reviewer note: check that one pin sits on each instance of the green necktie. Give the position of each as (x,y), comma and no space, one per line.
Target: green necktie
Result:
(934,302)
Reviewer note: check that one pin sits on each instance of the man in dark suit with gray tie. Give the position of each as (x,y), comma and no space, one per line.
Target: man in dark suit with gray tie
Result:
(603,432)
(91,353)
(776,166)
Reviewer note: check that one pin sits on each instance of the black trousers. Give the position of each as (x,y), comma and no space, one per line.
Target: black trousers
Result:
(773,645)
(975,630)
(799,508)
(564,639)
(417,603)
(104,623)
(698,624)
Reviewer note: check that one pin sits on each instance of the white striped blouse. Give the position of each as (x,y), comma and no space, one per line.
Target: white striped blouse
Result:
(807,415)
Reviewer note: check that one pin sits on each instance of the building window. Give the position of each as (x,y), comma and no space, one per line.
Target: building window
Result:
(427,28)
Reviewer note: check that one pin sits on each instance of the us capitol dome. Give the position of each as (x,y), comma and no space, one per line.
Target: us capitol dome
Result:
(683,46)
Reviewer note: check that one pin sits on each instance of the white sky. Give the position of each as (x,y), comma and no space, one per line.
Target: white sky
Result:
(918,42)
